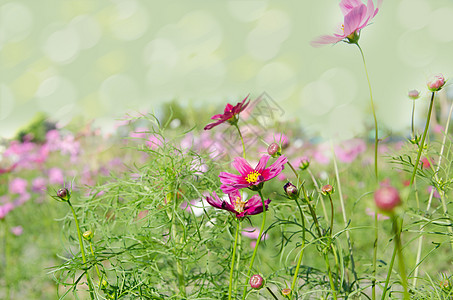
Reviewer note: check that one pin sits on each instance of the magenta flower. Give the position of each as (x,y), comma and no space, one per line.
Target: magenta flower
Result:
(237,205)
(356,16)
(230,114)
(249,177)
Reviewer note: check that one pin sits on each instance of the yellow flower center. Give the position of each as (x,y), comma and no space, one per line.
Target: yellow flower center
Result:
(252,177)
(239,205)
(342,27)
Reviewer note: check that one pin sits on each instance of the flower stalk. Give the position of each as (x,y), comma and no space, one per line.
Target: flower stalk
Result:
(82,250)
(263,222)
(421,146)
(230,287)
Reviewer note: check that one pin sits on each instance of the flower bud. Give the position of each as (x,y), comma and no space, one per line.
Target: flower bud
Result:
(256,282)
(387,198)
(286,292)
(291,190)
(436,82)
(274,150)
(414,94)
(88,235)
(63,194)
(304,163)
(327,189)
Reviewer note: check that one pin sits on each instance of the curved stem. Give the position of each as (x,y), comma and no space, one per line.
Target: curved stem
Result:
(389,274)
(376,231)
(82,250)
(242,140)
(376,138)
(256,246)
(329,272)
(230,287)
(96,265)
(301,254)
(272,293)
(422,143)
(402,267)
(412,121)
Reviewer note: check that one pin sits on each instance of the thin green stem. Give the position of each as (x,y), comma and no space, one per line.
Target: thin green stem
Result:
(331,215)
(82,250)
(179,266)
(345,219)
(420,240)
(238,261)
(272,293)
(329,272)
(321,199)
(242,140)
(389,274)
(230,287)
(421,146)
(376,231)
(402,267)
(301,254)
(96,265)
(376,138)
(412,120)
(244,293)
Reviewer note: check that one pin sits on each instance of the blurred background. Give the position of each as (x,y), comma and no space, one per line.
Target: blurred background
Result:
(97,60)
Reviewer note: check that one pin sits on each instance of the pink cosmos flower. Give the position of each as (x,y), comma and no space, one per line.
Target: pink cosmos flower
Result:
(56,176)
(17,230)
(237,205)
(5,209)
(356,16)
(230,114)
(249,177)
(18,186)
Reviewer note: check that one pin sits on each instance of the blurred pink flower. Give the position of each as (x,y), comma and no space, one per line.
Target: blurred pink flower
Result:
(253,233)
(5,209)
(55,176)
(18,186)
(434,191)
(39,184)
(17,230)
(348,151)
(356,16)
(372,213)
(154,142)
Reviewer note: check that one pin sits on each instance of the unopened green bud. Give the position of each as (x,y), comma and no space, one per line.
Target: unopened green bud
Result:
(304,163)
(327,189)
(63,194)
(88,235)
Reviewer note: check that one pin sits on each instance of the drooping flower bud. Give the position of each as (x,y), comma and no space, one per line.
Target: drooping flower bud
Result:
(304,163)
(327,189)
(286,292)
(387,198)
(413,94)
(291,190)
(63,194)
(256,282)
(274,150)
(436,82)
(88,235)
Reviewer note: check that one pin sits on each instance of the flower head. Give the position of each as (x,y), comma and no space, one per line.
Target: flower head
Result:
(230,114)
(237,205)
(356,16)
(413,94)
(436,82)
(256,282)
(249,177)
(387,198)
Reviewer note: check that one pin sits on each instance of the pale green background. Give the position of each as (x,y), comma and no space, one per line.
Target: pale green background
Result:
(102,58)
